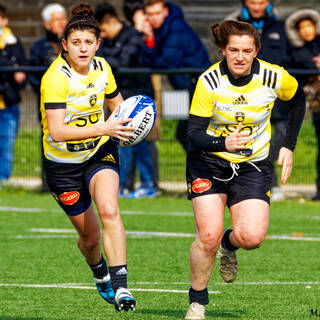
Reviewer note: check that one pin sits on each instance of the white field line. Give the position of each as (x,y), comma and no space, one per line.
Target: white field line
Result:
(75,286)
(125,212)
(234,283)
(144,234)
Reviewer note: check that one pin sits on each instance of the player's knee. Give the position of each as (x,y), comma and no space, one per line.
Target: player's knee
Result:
(209,243)
(250,239)
(90,242)
(108,211)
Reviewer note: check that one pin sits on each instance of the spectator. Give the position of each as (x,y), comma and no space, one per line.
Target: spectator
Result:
(303,30)
(171,43)
(11,55)
(134,13)
(121,47)
(45,50)
(274,47)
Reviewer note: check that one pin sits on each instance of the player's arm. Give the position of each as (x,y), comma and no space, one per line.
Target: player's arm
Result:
(292,92)
(199,138)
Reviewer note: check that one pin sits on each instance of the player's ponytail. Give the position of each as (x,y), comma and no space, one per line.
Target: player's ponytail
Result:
(82,18)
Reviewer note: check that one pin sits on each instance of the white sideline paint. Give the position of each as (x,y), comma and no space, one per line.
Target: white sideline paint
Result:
(125,212)
(144,234)
(234,283)
(75,286)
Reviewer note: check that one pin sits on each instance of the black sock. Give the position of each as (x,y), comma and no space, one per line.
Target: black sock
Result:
(118,276)
(100,270)
(226,243)
(199,296)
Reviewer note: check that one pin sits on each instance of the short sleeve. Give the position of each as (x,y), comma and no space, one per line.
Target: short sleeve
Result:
(202,101)
(288,86)
(54,88)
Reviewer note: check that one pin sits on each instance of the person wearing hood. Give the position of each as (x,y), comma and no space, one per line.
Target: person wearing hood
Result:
(45,50)
(303,30)
(274,49)
(171,43)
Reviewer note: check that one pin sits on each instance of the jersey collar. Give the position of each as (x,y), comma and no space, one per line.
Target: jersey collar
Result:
(242,81)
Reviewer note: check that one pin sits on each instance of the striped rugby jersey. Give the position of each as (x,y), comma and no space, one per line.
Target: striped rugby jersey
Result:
(82,96)
(228,103)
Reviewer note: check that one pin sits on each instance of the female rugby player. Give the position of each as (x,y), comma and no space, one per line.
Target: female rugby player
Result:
(81,161)
(229,133)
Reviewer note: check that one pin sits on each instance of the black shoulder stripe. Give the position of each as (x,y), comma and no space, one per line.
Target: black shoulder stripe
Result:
(113,94)
(274,80)
(55,105)
(217,76)
(264,76)
(95,65)
(66,71)
(209,82)
(269,78)
(100,65)
(212,78)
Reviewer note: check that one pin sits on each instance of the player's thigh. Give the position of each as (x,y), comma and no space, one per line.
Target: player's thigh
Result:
(104,188)
(209,214)
(87,224)
(250,218)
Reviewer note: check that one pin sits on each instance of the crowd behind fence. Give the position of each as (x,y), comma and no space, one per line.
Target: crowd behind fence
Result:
(27,157)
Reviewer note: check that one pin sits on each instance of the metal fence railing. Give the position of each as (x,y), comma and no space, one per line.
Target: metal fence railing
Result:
(27,157)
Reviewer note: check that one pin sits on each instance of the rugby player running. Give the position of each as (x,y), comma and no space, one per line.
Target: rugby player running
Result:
(80,160)
(227,164)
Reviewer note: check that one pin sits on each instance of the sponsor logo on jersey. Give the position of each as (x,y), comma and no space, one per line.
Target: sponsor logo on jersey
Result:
(201,185)
(93,100)
(239,116)
(224,108)
(240,100)
(69,198)
(109,158)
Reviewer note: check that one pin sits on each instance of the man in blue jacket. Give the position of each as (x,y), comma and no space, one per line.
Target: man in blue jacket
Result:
(171,43)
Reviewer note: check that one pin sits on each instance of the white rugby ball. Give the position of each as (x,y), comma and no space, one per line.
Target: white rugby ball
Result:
(142,110)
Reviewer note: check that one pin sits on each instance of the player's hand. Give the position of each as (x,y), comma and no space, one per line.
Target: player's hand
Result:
(286,161)
(115,128)
(237,140)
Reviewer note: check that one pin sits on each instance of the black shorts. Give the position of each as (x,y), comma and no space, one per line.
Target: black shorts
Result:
(206,171)
(69,182)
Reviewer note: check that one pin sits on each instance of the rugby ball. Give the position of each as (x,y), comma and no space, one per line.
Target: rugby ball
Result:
(142,110)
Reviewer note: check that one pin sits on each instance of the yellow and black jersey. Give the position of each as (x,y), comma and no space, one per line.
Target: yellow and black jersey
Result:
(82,97)
(227,104)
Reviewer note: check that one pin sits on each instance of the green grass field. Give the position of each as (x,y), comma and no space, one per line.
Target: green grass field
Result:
(43,276)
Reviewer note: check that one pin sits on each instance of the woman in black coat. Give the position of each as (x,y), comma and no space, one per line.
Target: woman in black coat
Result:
(303,31)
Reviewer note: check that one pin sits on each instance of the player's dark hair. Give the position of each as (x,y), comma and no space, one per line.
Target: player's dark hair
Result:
(3,11)
(104,11)
(222,31)
(82,18)
(130,7)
